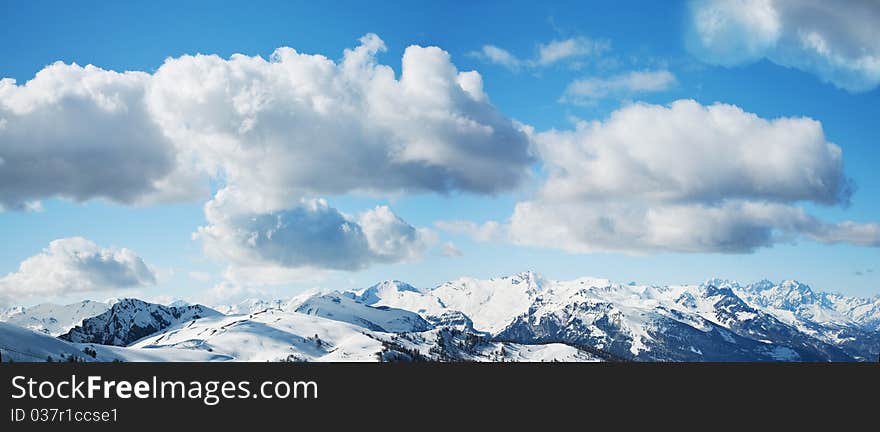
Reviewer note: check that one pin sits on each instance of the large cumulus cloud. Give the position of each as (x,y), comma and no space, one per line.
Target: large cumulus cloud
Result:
(75,265)
(299,124)
(688,152)
(838,41)
(293,125)
(274,132)
(82,133)
(684,178)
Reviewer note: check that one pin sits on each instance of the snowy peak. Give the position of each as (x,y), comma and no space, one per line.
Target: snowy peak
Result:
(11,312)
(381,290)
(491,304)
(53,319)
(529,279)
(722,283)
(795,301)
(789,295)
(130,319)
(339,307)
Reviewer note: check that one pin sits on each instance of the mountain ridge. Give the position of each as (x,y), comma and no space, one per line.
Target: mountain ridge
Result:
(470,319)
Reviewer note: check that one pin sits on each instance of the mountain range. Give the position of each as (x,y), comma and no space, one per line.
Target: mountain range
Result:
(522,317)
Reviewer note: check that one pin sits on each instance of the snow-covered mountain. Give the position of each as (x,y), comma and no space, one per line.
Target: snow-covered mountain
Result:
(53,319)
(252,305)
(850,323)
(19,344)
(338,307)
(711,321)
(489,304)
(523,317)
(275,335)
(25,345)
(687,323)
(805,304)
(130,319)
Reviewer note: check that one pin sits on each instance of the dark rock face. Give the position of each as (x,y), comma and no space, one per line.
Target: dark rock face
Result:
(750,335)
(130,320)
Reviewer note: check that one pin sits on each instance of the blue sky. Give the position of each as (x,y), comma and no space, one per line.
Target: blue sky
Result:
(615,38)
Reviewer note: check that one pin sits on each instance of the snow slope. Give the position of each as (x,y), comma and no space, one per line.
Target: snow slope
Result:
(274,335)
(270,335)
(24,345)
(343,308)
(54,319)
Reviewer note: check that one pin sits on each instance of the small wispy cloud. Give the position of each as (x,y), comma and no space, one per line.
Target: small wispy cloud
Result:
(547,54)
(588,91)
(559,50)
(499,56)
(449,250)
(485,232)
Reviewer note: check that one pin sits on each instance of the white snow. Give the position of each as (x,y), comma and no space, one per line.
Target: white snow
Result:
(54,319)
(271,335)
(339,307)
(353,325)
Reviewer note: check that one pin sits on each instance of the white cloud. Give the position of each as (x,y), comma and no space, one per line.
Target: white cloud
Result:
(588,91)
(231,292)
(317,127)
(559,50)
(82,133)
(449,250)
(499,56)
(553,52)
(134,137)
(485,232)
(688,152)
(838,41)
(309,237)
(75,265)
(277,132)
(683,178)
(729,227)
(390,238)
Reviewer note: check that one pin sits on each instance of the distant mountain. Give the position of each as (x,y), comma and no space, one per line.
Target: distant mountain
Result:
(253,305)
(522,317)
(713,321)
(851,323)
(53,319)
(386,289)
(819,307)
(130,319)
